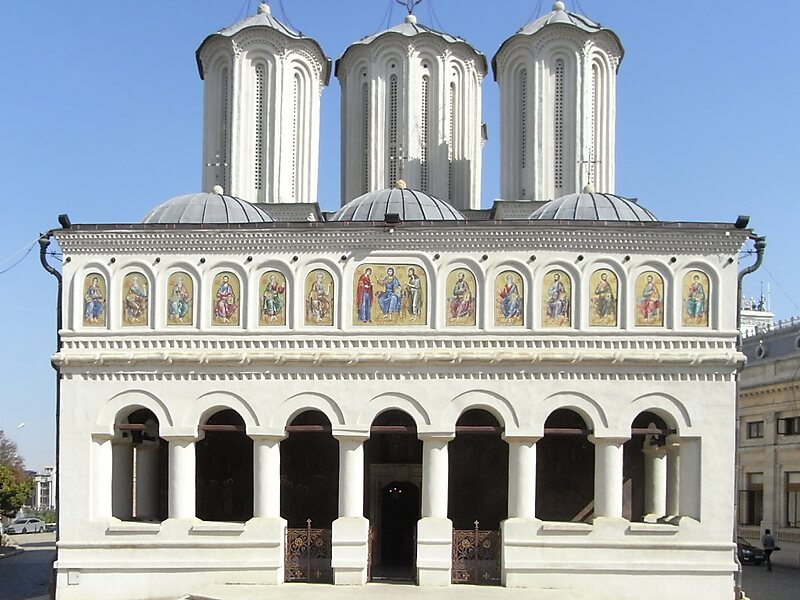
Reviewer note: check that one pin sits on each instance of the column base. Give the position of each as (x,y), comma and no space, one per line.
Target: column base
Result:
(350,541)
(271,531)
(516,533)
(434,552)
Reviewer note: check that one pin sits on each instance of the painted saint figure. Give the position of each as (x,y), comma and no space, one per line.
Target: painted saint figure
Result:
(272,299)
(94,303)
(650,300)
(696,299)
(389,298)
(413,293)
(510,300)
(557,299)
(604,301)
(364,296)
(319,300)
(179,299)
(461,300)
(136,302)
(225,305)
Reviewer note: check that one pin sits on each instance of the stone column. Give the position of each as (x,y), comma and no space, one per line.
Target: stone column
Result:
(434,529)
(655,482)
(690,478)
(522,477)
(266,476)
(122,479)
(147,481)
(350,535)
(102,477)
(673,475)
(608,477)
(182,477)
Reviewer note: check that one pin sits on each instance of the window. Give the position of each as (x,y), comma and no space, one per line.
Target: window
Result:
(755,429)
(789,426)
(793,499)
(755,498)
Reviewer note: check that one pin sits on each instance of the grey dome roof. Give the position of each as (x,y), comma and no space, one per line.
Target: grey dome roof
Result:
(409,28)
(558,16)
(591,206)
(264,18)
(207,208)
(410,205)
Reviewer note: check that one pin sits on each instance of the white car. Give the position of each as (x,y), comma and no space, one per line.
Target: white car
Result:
(26,526)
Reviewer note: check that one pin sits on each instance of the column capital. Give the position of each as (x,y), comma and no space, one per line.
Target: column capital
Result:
(656,451)
(181,438)
(436,436)
(520,439)
(176,432)
(264,437)
(608,441)
(351,436)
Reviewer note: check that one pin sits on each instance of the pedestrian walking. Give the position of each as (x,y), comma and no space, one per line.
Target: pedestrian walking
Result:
(768,542)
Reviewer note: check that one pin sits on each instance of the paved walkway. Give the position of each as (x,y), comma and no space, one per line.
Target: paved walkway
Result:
(301,591)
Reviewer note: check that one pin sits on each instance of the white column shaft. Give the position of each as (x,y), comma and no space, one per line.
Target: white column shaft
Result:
(122,489)
(673,478)
(434,478)
(351,478)
(655,481)
(147,481)
(608,478)
(182,479)
(267,478)
(690,477)
(522,479)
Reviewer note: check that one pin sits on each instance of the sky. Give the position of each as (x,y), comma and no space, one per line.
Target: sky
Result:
(101,118)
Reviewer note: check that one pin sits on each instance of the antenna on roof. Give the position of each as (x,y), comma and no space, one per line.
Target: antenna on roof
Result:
(409,4)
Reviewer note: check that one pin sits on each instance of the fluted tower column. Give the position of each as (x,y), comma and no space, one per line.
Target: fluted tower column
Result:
(261,111)
(557,79)
(411,110)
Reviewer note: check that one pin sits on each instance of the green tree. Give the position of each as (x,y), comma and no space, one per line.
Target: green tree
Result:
(14,491)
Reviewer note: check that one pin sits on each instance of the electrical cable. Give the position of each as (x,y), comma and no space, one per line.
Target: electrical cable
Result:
(286,18)
(28,251)
(780,287)
(434,16)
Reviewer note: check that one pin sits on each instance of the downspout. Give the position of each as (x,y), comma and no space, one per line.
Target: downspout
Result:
(760,245)
(44,244)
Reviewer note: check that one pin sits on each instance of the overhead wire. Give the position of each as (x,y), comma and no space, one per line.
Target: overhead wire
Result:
(286,18)
(434,16)
(28,248)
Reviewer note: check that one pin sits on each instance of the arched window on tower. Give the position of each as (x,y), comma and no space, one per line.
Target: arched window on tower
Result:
(591,171)
(394,158)
(424,135)
(296,93)
(258,166)
(558,128)
(523,128)
(224,130)
(451,146)
(365,131)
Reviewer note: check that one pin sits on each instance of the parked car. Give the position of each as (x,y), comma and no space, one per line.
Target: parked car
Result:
(748,553)
(31,525)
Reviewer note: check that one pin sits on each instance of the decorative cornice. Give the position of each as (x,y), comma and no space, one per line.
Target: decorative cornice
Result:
(657,238)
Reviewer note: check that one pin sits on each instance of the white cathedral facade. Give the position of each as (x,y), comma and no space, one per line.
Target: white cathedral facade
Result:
(536,395)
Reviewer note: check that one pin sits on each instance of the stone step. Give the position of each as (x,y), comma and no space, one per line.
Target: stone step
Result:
(385,591)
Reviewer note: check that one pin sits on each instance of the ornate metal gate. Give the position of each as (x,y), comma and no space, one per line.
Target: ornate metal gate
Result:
(476,556)
(308,555)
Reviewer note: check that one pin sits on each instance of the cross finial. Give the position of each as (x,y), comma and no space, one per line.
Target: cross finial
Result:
(409,4)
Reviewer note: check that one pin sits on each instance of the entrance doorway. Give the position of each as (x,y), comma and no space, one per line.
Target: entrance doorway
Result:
(399,515)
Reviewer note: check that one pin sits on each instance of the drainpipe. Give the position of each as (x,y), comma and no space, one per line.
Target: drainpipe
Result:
(44,244)
(760,245)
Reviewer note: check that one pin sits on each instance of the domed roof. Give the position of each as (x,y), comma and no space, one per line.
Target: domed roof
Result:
(205,208)
(263,18)
(409,205)
(559,16)
(409,28)
(591,206)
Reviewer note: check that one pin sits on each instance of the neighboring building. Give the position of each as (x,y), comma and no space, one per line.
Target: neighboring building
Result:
(535,395)
(43,496)
(769,437)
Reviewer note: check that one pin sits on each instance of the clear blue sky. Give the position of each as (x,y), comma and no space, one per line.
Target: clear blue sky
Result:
(100,117)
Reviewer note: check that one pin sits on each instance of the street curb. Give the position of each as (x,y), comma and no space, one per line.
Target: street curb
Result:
(16,550)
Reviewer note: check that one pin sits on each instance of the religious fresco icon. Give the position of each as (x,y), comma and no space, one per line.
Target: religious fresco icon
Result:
(461,294)
(135,300)
(696,290)
(319,294)
(509,301)
(604,292)
(94,300)
(226,299)
(556,299)
(649,292)
(180,301)
(272,291)
(389,295)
